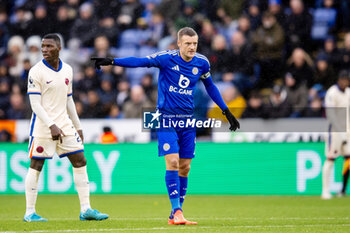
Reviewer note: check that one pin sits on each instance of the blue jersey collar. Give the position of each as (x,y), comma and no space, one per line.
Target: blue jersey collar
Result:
(49,66)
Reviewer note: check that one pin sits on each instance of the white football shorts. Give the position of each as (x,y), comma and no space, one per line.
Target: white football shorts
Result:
(45,148)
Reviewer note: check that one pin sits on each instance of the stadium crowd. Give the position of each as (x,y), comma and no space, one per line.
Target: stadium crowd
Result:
(269,58)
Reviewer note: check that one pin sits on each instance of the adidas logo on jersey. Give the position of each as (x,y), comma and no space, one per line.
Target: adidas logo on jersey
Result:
(176,68)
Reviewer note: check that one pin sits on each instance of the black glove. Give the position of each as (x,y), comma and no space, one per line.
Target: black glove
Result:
(100,61)
(231,119)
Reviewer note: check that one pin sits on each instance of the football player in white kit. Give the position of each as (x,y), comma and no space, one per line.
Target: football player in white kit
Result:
(55,127)
(337,140)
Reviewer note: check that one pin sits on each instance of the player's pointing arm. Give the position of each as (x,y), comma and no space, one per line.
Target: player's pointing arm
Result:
(124,62)
(216,97)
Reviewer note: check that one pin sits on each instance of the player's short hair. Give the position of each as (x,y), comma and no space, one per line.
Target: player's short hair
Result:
(344,74)
(54,37)
(186,31)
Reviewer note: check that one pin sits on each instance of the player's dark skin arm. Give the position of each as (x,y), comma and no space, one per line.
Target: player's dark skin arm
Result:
(56,133)
(80,132)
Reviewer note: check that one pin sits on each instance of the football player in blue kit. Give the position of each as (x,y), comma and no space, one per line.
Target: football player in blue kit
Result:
(179,72)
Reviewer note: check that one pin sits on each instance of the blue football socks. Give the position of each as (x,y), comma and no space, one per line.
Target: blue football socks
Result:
(183,189)
(173,183)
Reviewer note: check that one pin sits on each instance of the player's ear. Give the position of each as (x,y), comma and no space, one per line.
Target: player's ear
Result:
(178,43)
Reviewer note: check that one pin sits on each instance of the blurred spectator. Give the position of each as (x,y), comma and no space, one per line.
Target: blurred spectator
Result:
(275,7)
(269,41)
(41,24)
(324,73)
(130,11)
(5,136)
(244,27)
(234,101)
(138,100)
(298,27)
(123,88)
(254,14)
(18,109)
(85,26)
(64,22)
(101,47)
(108,137)
(240,62)
(315,108)
(21,24)
(4,32)
(297,95)
(93,107)
(22,81)
(106,92)
(344,11)
(218,57)
(324,20)
(255,107)
(114,112)
(170,9)
(80,108)
(15,55)
(33,44)
(187,17)
(345,53)
(87,83)
(149,88)
(109,8)
(299,65)
(231,9)
(278,105)
(5,89)
(206,37)
(108,28)
(75,56)
(334,56)
(73,8)
(157,27)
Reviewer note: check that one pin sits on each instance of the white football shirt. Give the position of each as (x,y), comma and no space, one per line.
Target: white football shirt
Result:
(54,86)
(337,107)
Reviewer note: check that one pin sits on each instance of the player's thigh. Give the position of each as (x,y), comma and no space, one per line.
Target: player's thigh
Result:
(334,145)
(167,142)
(70,145)
(187,143)
(42,148)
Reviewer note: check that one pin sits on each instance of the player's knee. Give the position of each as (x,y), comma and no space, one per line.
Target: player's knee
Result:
(173,164)
(80,163)
(184,169)
(37,164)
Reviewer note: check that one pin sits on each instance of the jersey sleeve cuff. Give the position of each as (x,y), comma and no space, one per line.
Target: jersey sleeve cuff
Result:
(33,93)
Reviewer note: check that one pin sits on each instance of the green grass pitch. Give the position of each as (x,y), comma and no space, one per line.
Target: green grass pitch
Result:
(149,213)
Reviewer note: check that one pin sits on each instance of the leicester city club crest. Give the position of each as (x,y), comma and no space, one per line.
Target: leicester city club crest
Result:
(195,70)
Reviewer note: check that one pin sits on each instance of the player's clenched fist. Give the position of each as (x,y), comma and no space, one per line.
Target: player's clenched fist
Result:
(100,61)
(234,124)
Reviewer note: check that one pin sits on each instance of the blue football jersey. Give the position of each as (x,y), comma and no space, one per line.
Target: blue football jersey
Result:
(177,80)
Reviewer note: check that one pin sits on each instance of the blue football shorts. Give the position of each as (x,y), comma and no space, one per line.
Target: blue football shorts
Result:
(177,140)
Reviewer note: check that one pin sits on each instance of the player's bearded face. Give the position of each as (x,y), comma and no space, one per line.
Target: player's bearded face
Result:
(49,49)
(188,46)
